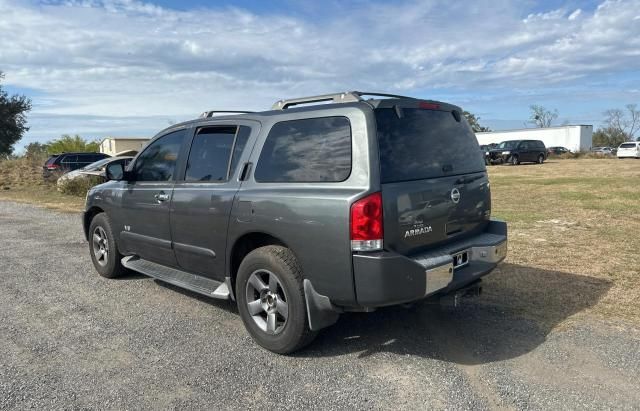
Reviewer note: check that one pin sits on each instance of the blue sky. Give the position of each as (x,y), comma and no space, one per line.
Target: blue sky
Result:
(130,68)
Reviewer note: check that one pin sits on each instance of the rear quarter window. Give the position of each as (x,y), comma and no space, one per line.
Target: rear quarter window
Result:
(307,150)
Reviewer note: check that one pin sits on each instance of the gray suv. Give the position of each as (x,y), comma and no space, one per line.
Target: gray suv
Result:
(305,211)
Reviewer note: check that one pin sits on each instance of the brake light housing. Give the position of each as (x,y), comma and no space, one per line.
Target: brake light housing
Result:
(366,223)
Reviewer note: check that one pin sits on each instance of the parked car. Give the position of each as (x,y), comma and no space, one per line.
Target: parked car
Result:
(630,149)
(65,162)
(603,151)
(557,151)
(519,151)
(484,149)
(299,214)
(93,169)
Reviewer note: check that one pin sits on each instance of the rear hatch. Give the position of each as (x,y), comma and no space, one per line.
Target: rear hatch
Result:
(434,183)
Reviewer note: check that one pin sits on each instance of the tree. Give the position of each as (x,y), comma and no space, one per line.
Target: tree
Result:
(35,150)
(626,123)
(541,117)
(474,122)
(608,137)
(13,120)
(68,143)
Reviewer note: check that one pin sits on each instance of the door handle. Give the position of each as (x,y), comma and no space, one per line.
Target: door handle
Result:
(161,196)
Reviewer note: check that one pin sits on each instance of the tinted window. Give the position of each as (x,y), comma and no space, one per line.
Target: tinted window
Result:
(238,148)
(425,144)
(158,161)
(628,145)
(51,160)
(539,144)
(209,155)
(508,144)
(309,150)
(523,146)
(69,159)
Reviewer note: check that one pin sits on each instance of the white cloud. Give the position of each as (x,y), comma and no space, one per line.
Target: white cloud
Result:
(127,59)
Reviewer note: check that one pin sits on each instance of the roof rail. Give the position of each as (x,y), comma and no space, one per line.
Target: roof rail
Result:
(211,113)
(345,97)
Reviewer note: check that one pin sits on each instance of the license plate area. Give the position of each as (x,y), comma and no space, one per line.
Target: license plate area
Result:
(460,259)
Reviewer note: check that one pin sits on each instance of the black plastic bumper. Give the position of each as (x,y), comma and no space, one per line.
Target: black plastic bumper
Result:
(387,278)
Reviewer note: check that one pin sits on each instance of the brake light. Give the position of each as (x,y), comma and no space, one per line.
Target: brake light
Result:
(366,223)
(52,166)
(429,106)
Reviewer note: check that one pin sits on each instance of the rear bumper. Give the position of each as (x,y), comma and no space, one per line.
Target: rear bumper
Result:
(388,278)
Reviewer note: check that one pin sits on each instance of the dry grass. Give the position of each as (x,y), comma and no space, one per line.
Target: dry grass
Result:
(21,180)
(574,238)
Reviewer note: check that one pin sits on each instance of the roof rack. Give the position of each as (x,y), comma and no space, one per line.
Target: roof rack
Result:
(345,97)
(211,113)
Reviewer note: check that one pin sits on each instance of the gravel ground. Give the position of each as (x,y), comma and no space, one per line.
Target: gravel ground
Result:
(71,339)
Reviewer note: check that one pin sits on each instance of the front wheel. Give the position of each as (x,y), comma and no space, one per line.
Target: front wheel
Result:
(271,300)
(103,249)
(515,160)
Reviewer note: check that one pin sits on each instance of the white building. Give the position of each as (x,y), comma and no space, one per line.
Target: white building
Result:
(575,138)
(113,145)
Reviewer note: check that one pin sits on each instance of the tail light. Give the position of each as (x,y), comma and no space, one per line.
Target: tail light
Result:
(366,223)
(52,167)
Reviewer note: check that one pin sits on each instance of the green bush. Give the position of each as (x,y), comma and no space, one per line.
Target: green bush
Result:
(79,186)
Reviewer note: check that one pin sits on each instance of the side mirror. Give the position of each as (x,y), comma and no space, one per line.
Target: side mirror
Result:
(114,171)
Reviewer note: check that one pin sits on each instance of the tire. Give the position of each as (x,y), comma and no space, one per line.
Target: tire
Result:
(540,159)
(515,160)
(273,309)
(103,249)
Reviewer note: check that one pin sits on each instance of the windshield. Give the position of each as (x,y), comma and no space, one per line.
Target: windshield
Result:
(425,144)
(97,164)
(508,144)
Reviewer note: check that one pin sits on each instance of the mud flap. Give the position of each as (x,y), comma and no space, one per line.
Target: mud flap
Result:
(320,312)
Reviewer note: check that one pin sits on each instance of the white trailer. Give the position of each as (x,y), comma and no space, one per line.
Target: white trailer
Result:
(575,138)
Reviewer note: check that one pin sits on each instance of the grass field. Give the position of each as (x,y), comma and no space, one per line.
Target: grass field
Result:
(574,234)
(574,238)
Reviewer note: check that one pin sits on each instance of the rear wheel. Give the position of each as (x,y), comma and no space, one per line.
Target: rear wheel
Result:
(271,301)
(515,160)
(540,159)
(103,249)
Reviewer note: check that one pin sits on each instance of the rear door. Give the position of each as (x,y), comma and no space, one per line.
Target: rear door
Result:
(143,219)
(433,177)
(203,196)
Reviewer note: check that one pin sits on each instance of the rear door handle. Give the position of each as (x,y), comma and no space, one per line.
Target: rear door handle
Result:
(161,196)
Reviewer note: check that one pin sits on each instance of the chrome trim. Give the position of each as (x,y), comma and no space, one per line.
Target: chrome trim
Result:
(489,254)
(438,278)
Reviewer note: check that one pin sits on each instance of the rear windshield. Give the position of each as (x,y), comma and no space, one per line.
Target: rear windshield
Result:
(425,144)
(628,145)
(51,160)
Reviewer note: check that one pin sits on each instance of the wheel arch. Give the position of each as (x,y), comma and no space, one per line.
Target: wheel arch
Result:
(243,245)
(88,217)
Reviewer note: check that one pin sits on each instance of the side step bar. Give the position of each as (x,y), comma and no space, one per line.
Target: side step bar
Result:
(192,282)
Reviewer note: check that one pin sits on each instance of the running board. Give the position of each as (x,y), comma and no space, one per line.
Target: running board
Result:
(192,282)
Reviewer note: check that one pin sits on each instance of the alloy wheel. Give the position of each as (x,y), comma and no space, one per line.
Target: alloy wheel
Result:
(267,301)
(100,246)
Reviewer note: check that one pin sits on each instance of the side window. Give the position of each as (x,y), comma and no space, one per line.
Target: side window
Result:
(523,145)
(210,153)
(69,159)
(158,161)
(241,141)
(308,150)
